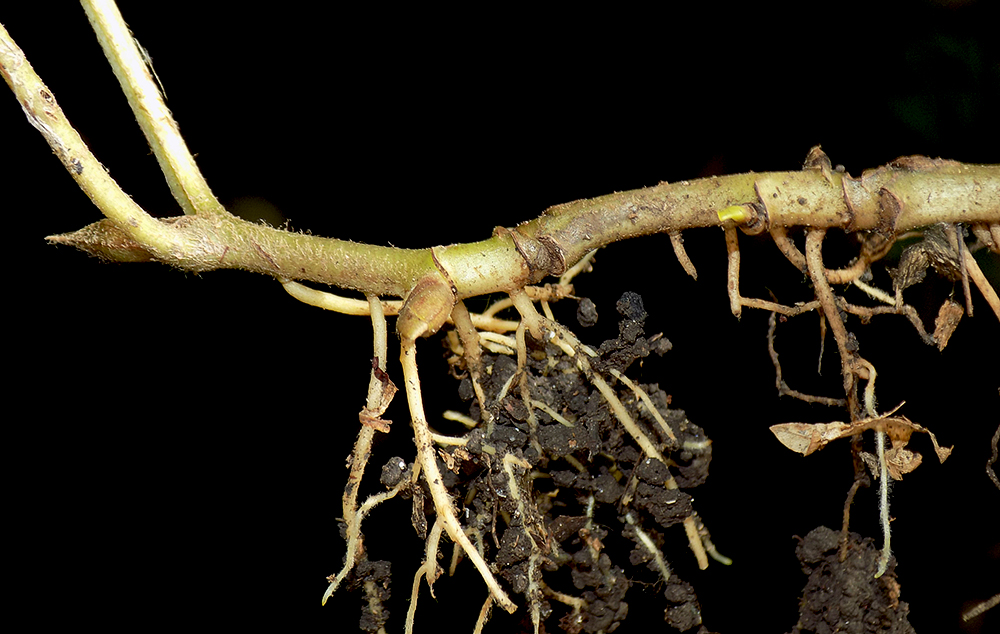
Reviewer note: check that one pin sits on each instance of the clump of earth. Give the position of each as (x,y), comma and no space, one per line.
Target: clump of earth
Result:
(844,596)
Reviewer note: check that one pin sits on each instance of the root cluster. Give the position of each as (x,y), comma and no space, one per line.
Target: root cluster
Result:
(561,470)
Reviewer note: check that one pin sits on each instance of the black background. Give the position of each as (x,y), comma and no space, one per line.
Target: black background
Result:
(186,436)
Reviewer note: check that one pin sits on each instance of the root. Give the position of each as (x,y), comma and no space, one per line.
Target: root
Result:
(737,301)
(957,243)
(618,409)
(484,615)
(362,451)
(852,367)
(979,278)
(978,609)
(883,503)
(427,458)
(522,359)
(429,570)
(529,523)
(651,547)
(553,414)
(871,251)
(869,254)
(783,389)
(989,465)
(733,271)
(473,355)
(677,242)
(336,303)
(584,265)
(647,402)
(875,293)
(573,621)
(706,539)
(845,526)
(694,538)
(529,316)
(354,537)
(814,260)
(497,344)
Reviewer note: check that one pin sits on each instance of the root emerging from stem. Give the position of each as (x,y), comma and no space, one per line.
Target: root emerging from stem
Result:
(427,457)
(546,408)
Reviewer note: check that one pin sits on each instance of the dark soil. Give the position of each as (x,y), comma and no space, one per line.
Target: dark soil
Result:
(575,517)
(845,596)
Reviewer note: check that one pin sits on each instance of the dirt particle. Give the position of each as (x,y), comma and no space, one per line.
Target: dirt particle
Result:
(586,312)
(630,306)
(392,471)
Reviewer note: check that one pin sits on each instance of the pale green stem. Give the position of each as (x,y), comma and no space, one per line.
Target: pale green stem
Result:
(905,194)
(186,181)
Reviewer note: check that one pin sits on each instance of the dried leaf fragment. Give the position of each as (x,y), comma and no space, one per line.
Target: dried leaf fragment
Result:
(373,417)
(805,438)
(947,320)
(900,460)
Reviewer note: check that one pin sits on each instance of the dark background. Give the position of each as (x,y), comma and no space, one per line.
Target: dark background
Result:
(187,435)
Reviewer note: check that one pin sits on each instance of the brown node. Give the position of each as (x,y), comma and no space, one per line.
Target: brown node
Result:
(890,206)
(543,256)
(757,220)
(817,159)
(934,250)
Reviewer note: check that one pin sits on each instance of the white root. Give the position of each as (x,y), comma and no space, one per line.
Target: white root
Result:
(650,546)
(883,503)
(648,402)
(429,570)
(427,458)
(362,451)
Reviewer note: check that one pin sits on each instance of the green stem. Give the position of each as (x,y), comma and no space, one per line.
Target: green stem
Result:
(908,193)
(187,184)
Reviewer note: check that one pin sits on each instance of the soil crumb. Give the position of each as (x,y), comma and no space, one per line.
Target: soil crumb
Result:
(846,596)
